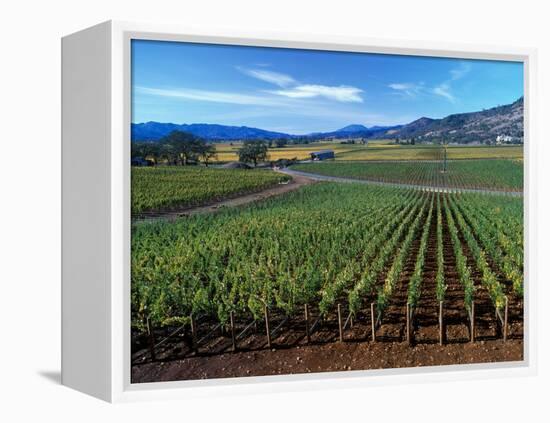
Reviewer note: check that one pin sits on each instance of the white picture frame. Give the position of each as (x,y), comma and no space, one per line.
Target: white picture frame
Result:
(96,213)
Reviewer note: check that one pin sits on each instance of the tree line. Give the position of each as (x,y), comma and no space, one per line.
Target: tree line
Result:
(181,148)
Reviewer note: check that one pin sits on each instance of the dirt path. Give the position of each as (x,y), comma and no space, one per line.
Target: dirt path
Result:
(296,182)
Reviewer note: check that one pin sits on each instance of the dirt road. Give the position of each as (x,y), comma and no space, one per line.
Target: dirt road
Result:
(296,182)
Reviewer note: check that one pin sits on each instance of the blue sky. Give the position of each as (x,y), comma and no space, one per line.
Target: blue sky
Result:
(303,91)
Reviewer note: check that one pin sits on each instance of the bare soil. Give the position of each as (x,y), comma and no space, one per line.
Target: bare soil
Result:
(333,356)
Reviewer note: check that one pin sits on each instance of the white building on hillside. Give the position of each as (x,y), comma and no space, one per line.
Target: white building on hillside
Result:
(503,139)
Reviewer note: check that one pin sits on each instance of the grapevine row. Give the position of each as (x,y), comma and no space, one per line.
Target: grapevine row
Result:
(366,284)
(441,287)
(375,235)
(416,278)
(489,239)
(488,278)
(394,273)
(462,268)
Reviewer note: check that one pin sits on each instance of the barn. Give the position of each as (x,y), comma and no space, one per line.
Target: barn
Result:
(322,155)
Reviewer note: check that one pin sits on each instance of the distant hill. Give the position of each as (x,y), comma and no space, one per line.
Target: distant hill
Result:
(353,128)
(356,131)
(153,131)
(481,126)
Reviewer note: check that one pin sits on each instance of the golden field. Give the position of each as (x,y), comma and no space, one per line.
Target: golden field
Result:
(377,150)
(227,152)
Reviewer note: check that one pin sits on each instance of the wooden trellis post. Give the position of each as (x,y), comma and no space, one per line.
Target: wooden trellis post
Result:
(441,323)
(306,317)
(341,332)
(232,323)
(151,336)
(472,323)
(505,328)
(408,323)
(372,322)
(193,333)
(267,330)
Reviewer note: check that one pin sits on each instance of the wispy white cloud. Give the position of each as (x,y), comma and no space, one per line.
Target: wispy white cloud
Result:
(341,93)
(271,77)
(212,96)
(270,98)
(444,90)
(291,88)
(462,70)
(401,86)
(407,88)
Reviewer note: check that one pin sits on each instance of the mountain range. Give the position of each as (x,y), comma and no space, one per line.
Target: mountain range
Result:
(478,126)
(154,131)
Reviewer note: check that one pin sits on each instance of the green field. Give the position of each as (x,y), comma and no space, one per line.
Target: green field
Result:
(162,188)
(489,174)
(324,243)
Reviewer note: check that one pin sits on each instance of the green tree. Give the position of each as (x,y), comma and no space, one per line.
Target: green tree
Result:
(182,146)
(253,151)
(207,153)
(281,142)
(146,150)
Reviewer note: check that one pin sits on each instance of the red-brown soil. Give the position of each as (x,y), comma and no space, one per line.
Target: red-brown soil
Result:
(334,356)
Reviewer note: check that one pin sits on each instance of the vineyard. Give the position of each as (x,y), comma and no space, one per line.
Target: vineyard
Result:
(163,188)
(368,263)
(501,175)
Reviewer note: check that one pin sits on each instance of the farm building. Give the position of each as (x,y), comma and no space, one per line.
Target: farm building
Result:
(503,139)
(322,155)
